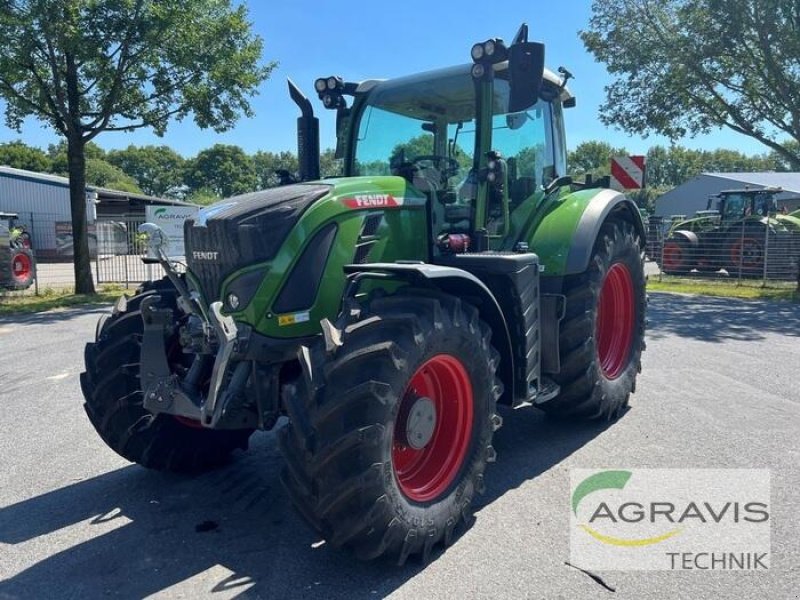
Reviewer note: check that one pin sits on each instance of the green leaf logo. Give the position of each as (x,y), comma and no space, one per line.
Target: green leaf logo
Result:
(611,480)
(603,480)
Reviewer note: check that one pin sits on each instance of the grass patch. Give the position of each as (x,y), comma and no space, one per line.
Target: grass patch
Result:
(51,300)
(724,289)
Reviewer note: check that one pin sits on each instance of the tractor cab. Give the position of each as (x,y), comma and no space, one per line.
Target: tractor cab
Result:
(476,140)
(426,129)
(733,205)
(17,233)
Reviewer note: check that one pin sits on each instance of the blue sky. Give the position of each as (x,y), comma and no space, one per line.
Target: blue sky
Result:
(363,40)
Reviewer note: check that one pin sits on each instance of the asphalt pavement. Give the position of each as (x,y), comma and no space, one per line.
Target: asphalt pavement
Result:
(719,389)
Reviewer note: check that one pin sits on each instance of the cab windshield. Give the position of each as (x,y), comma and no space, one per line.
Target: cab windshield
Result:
(423,128)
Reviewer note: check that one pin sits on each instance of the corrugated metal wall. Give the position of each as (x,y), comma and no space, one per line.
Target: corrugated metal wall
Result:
(48,201)
(693,195)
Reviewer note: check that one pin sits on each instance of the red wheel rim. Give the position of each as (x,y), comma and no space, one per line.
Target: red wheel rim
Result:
(21,266)
(616,317)
(673,256)
(746,251)
(427,473)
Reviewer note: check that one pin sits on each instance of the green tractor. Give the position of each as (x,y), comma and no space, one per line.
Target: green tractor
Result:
(737,232)
(388,312)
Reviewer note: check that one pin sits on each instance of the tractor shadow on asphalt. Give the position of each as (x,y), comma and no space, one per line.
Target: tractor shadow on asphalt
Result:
(132,533)
(54,316)
(711,319)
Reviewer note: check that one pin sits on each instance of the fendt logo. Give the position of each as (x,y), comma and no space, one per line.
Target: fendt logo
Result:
(204,255)
(372,201)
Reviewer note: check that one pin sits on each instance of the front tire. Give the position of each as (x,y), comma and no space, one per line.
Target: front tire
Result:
(114,399)
(602,334)
(389,434)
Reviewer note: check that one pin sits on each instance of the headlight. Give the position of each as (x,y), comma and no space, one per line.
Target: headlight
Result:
(233,301)
(477,52)
(320,85)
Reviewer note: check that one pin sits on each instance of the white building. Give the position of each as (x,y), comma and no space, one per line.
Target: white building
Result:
(42,202)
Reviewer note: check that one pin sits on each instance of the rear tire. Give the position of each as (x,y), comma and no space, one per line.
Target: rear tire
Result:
(114,399)
(352,470)
(677,256)
(744,252)
(602,334)
(22,269)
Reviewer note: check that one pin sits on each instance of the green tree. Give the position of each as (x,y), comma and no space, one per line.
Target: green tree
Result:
(203,197)
(267,163)
(329,165)
(592,158)
(778,161)
(101,173)
(21,156)
(59,159)
(421,145)
(88,66)
(688,66)
(158,170)
(673,166)
(223,170)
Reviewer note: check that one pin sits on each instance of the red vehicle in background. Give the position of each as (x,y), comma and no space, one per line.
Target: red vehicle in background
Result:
(16,255)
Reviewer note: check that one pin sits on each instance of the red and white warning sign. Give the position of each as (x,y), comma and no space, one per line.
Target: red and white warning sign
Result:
(627,172)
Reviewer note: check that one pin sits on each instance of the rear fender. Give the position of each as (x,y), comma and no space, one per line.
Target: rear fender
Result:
(689,236)
(564,238)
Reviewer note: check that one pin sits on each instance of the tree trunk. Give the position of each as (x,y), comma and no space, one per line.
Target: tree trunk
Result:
(84,284)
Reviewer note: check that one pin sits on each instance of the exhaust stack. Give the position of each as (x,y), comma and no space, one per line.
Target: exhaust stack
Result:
(307,135)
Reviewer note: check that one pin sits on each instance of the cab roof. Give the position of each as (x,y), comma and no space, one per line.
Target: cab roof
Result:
(432,82)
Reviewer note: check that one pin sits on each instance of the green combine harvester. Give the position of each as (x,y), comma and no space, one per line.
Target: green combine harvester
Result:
(741,232)
(388,312)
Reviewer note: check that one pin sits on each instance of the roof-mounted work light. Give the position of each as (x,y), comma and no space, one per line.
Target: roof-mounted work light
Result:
(330,91)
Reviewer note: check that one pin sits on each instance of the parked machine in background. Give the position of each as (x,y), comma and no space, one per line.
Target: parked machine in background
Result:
(16,256)
(741,231)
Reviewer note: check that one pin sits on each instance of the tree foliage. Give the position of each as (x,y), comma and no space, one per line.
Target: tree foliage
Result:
(21,156)
(223,170)
(158,170)
(268,163)
(101,173)
(88,66)
(688,66)
(592,158)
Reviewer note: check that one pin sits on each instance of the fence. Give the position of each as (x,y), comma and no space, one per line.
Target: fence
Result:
(114,248)
(747,251)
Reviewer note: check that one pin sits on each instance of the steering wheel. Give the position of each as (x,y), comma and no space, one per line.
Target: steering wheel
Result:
(446,165)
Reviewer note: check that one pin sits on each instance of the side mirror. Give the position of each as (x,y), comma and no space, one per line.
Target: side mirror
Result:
(525,74)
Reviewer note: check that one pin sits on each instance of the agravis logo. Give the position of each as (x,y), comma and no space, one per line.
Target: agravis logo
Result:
(670,519)
(613,480)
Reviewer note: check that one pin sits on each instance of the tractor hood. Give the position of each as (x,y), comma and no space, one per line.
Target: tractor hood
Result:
(272,227)
(244,230)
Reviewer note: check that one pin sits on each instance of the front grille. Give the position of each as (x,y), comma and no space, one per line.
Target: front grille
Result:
(243,230)
(209,272)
